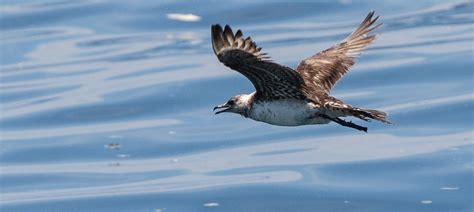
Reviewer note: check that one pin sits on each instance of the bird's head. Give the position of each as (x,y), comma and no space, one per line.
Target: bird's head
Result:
(239,104)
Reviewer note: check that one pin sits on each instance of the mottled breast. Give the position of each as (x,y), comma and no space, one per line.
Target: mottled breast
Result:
(285,112)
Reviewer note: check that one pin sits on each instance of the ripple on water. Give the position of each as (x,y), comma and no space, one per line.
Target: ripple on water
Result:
(111,103)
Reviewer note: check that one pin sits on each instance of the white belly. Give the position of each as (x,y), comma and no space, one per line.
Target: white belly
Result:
(286,113)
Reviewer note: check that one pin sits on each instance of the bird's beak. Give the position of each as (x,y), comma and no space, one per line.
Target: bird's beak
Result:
(225,106)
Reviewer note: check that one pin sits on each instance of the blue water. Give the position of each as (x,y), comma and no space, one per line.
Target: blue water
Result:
(107,106)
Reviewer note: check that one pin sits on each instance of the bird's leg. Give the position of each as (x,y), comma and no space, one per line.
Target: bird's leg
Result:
(345,123)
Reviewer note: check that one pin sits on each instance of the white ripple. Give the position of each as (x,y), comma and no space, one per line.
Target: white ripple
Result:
(185,182)
(422,104)
(200,166)
(446,188)
(65,56)
(85,129)
(426,202)
(211,204)
(42,7)
(183,17)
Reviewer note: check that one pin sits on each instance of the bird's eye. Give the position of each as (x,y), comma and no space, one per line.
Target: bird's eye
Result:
(231,102)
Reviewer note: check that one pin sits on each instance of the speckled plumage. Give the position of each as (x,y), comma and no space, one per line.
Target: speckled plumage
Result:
(290,97)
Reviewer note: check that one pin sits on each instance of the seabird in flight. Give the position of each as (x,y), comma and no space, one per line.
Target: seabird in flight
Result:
(288,97)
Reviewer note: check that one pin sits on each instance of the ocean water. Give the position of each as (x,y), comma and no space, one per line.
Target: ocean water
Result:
(107,106)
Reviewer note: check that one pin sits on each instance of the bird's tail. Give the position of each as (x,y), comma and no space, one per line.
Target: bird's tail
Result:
(342,109)
(366,114)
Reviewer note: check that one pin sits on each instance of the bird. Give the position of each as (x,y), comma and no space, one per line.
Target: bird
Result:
(294,97)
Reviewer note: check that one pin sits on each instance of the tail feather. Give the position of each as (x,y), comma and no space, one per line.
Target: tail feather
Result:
(340,109)
(372,114)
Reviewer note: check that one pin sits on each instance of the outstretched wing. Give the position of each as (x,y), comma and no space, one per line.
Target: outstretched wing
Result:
(271,80)
(322,70)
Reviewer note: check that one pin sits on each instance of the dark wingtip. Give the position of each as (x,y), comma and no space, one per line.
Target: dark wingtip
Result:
(215,27)
(228,34)
(216,37)
(227,28)
(239,34)
(223,38)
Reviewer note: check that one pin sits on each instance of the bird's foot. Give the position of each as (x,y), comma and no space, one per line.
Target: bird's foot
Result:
(352,125)
(345,123)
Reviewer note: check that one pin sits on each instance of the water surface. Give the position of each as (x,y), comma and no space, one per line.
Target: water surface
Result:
(107,105)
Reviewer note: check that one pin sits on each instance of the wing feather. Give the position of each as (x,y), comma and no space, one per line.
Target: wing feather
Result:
(322,70)
(271,80)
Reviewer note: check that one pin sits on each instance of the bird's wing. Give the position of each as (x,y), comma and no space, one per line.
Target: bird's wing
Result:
(271,80)
(322,70)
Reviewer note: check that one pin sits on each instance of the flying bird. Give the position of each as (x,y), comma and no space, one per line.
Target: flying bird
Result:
(292,97)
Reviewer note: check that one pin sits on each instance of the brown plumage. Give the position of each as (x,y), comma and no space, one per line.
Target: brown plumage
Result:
(314,76)
(324,69)
(271,80)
